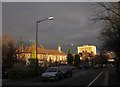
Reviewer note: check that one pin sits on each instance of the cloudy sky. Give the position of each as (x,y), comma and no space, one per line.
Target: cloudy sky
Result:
(71,24)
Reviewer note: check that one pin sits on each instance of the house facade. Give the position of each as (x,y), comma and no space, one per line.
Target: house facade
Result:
(87,51)
(43,54)
(87,48)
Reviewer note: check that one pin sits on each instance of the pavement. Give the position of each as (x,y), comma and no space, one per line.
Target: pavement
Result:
(20,81)
(114,78)
(109,78)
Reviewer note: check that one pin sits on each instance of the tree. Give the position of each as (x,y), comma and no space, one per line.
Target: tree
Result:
(110,34)
(20,45)
(76,60)
(69,57)
(8,51)
(69,51)
(103,57)
(20,48)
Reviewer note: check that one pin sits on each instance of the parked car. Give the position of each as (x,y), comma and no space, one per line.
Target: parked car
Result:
(104,65)
(84,65)
(96,66)
(67,71)
(72,67)
(99,66)
(52,73)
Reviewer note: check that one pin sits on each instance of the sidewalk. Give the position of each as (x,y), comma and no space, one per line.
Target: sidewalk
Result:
(114,78)
(21,81)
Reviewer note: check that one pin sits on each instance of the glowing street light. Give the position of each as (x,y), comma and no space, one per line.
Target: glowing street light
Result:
(37,22)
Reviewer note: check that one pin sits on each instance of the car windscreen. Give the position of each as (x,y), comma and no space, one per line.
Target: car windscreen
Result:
(51,70)
(64,67)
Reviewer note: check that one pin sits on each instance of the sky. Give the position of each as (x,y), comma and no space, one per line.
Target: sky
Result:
(71,27)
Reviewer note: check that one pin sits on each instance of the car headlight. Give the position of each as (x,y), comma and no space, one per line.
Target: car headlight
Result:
(43,75)
(54,75)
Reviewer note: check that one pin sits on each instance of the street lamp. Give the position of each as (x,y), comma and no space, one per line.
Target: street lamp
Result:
(69,46)
(37,22)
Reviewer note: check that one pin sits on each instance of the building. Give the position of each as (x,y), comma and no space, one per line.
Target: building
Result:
(48,55)
(87,51)
(110,56)
(87,48)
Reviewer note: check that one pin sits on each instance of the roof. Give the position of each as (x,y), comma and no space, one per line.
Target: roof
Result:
(29,49)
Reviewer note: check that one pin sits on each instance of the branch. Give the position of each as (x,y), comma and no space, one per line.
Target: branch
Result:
(109,8)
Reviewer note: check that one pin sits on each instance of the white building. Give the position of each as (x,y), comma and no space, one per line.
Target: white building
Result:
(87,48)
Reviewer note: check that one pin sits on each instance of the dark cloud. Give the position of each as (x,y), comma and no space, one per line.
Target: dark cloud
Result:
(70,25)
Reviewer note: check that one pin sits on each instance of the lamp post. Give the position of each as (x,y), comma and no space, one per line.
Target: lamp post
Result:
(37,22)
(69,47)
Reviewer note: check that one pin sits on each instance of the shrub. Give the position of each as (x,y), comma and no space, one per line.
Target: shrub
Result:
(24,73)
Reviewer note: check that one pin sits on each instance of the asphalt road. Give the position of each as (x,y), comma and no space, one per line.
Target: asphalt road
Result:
(80,77)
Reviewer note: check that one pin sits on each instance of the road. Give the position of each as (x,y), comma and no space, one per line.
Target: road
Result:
(80,77)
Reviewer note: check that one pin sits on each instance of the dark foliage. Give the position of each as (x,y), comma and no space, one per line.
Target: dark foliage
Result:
(76,60)
(110,34)
(69,59)
(8,54)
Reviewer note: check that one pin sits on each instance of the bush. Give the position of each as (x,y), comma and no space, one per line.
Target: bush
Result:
(76,60)
(15,74)
(41,70)
(24,73)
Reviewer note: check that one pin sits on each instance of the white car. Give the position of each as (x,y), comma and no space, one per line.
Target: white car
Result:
(52,73)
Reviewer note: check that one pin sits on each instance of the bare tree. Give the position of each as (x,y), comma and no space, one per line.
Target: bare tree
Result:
(8,51)
(110,34)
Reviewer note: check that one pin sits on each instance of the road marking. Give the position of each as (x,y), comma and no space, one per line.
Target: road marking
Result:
(95,79)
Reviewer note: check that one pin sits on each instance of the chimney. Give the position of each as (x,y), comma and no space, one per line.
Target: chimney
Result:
(59,49)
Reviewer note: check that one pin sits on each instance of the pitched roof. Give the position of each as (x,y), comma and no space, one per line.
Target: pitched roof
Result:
(28,49)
